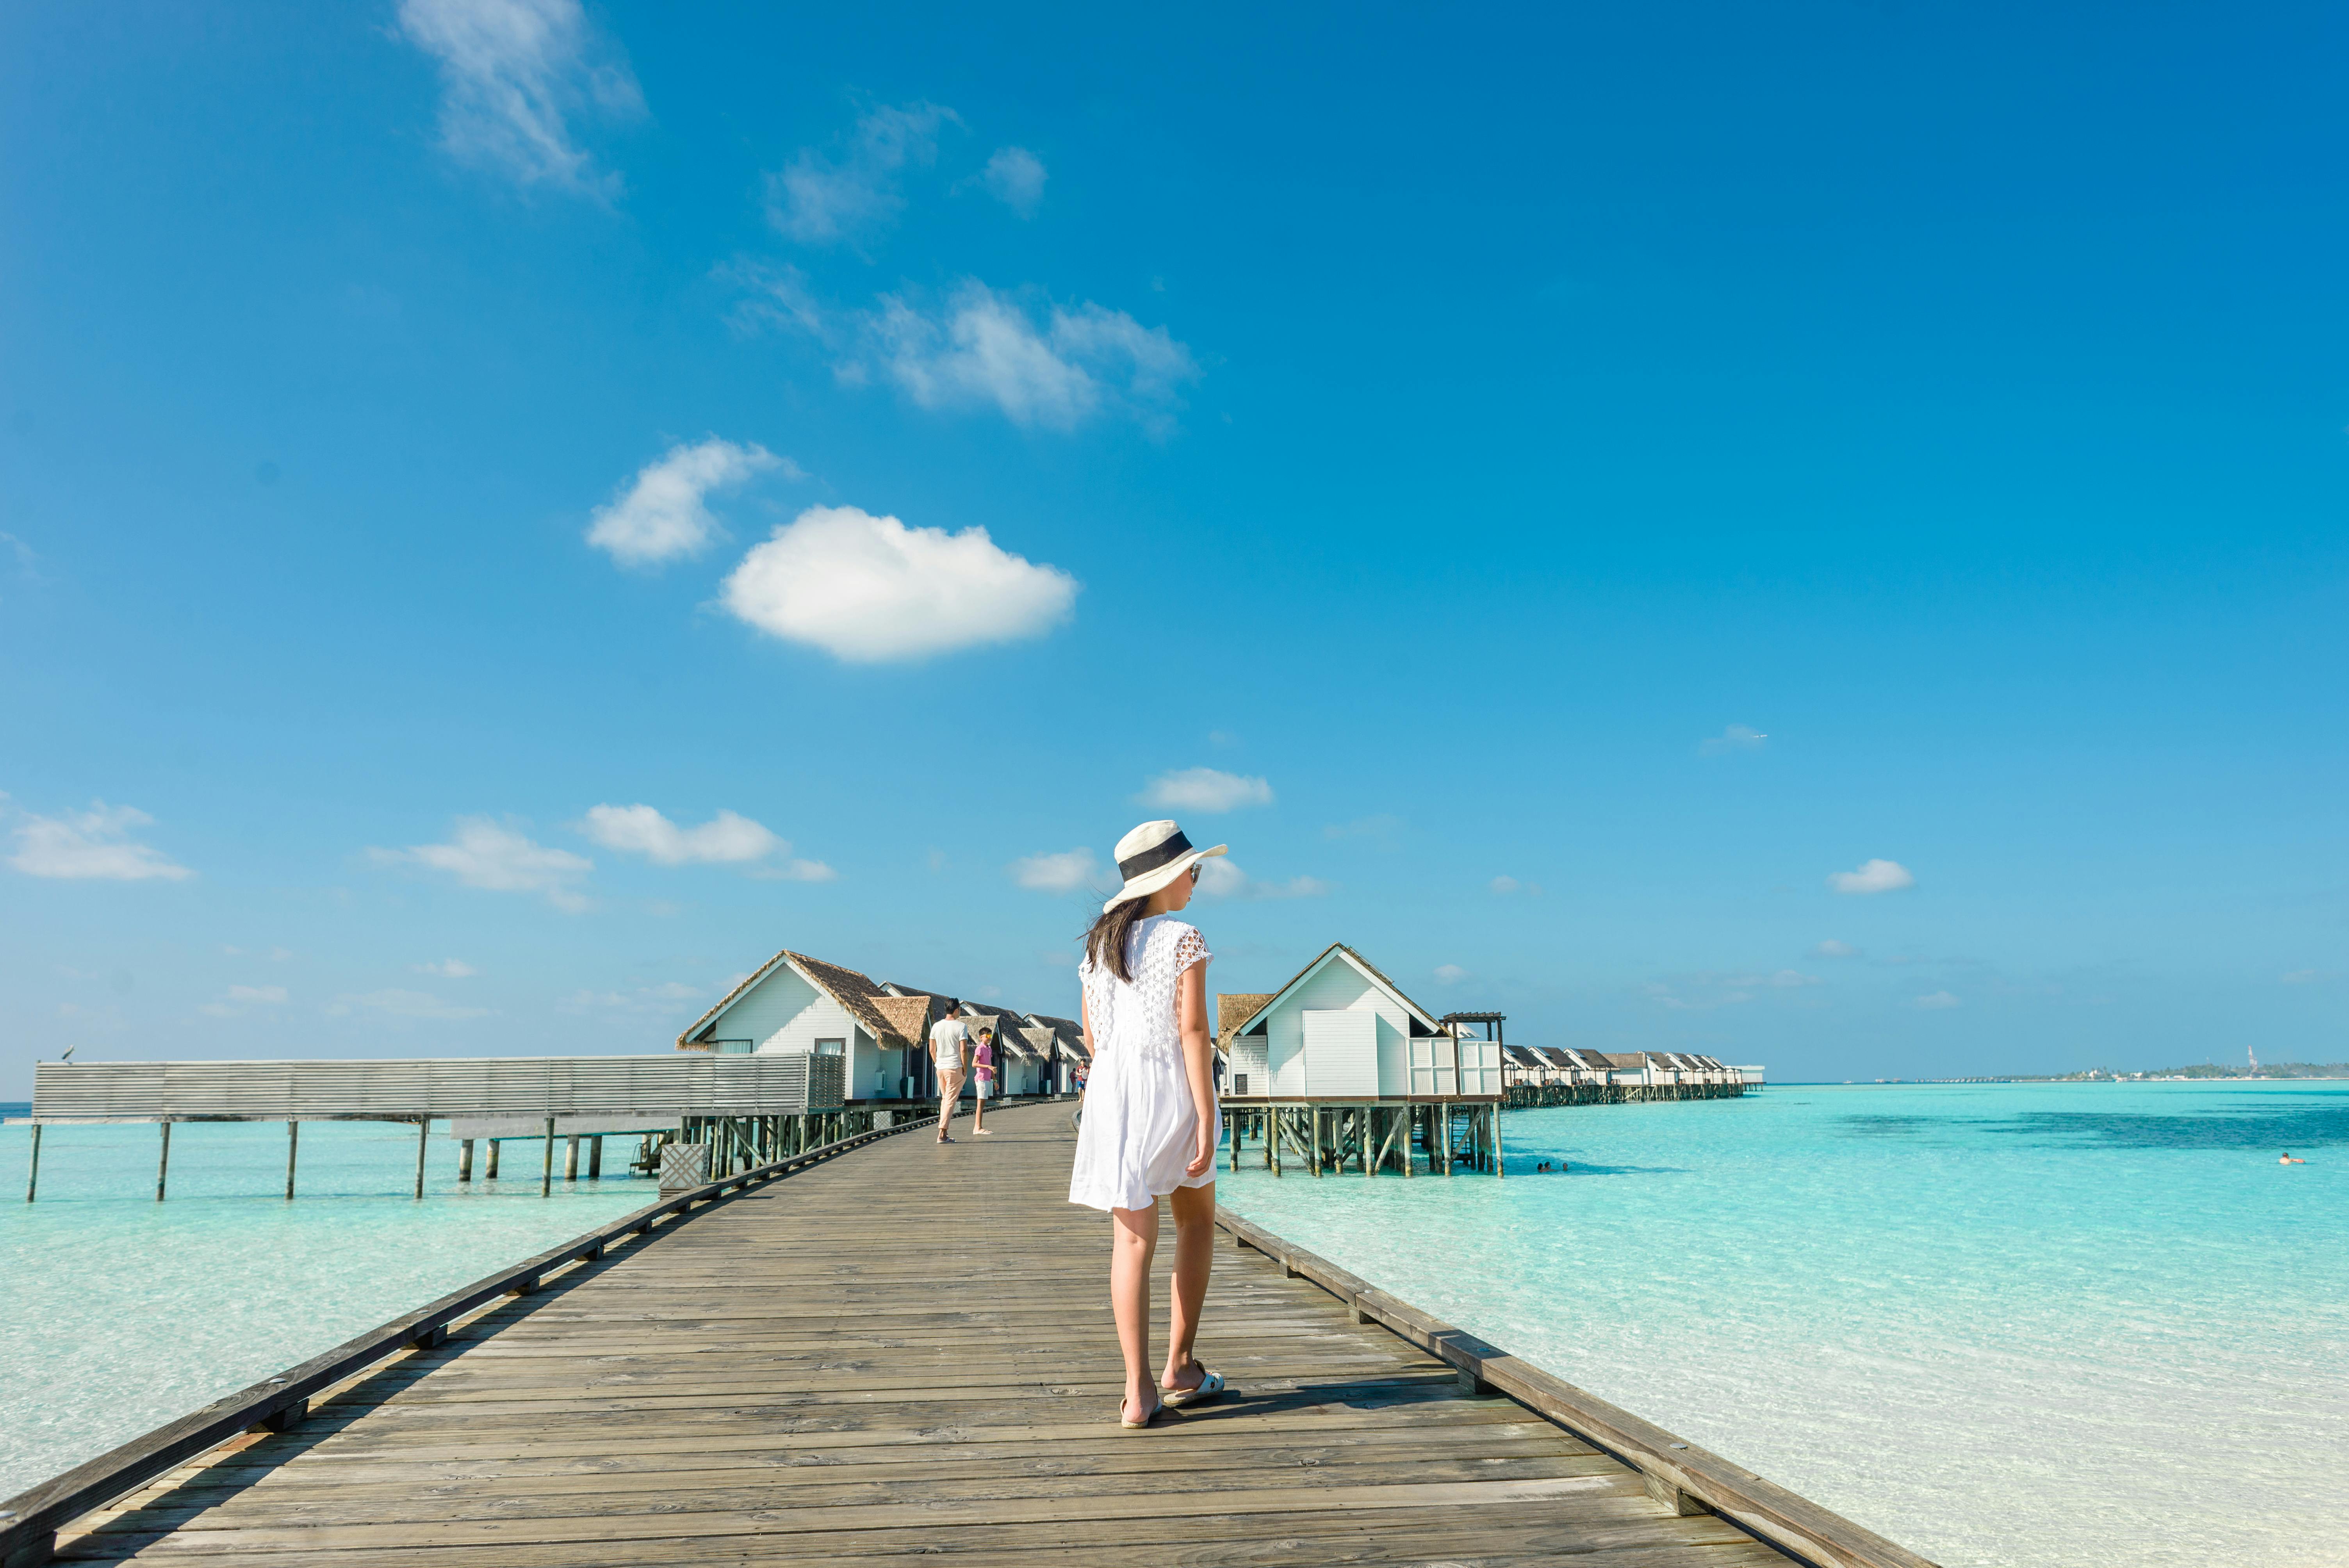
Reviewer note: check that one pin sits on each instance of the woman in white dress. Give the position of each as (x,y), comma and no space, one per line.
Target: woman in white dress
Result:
(1151,1124)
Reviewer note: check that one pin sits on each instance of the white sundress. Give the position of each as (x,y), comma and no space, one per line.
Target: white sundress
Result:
(1139,1124)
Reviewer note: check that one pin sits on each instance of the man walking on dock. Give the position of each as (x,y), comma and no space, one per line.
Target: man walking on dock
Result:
(950,1047)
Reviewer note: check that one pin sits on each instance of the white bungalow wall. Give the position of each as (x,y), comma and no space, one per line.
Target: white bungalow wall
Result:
(786,1014)
(1250,1063)
(1336,986)
(1341,1051)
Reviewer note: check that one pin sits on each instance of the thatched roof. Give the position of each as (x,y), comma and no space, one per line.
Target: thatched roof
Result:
(854,992)
(909,1015)
(1233,1008)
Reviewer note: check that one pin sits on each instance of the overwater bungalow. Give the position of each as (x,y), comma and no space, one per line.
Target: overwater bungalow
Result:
(797,1004)
(1342,1067)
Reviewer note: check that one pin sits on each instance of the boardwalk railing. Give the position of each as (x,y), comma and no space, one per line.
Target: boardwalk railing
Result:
(29,1522)
(1679,1475)
(689,1083)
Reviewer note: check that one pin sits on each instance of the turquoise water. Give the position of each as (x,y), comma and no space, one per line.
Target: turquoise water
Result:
(118,1313)
(2000,1324)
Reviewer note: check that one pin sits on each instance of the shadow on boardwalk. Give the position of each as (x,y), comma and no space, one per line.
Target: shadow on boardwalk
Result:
(906,1353)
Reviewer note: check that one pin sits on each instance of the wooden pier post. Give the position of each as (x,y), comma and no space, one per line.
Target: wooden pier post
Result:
(1500,1166)
(546,1168)
(465,1159)
(596,1159)
(32,1176)
(490,1174)
(163,1160)
(1314,1112)
(571,1159)
(423,1144)
(1443,1133)
(293,1147)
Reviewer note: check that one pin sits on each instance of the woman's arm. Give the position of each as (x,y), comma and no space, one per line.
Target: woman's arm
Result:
(1198,1065)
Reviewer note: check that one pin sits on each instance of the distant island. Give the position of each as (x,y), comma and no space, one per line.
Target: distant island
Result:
(2198,1070)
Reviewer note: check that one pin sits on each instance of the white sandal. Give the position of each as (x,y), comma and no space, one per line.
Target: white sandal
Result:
(1211,1387)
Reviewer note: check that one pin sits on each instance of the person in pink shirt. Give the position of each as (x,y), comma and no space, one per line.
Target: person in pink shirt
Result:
(982,1063)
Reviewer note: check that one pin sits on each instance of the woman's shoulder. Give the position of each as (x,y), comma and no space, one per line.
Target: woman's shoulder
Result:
(1181,936)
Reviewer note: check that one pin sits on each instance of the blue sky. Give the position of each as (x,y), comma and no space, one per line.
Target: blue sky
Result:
(514,512)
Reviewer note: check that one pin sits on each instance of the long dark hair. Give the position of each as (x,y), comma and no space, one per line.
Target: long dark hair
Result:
(1105,942)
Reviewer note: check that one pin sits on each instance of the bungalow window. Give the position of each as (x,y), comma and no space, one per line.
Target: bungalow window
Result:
(1239,1091)
(735,1048)
(832,1047)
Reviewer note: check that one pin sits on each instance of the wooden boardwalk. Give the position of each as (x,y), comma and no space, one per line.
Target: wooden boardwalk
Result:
(908,1352)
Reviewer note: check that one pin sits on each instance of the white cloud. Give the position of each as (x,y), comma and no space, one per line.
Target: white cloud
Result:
(1831,948)
(869,590)
(1873,876)
(645,999)
(485,854)
(780,298)
(795,870)
(1205,789)
(1934,1002)
(661,514)
(1450,974)
(1015,177)
(1737,738)
(823,198)
(1780,980)
(91,846)
(726,838)
(1504,885)
(1222,878)
(2305,976)
(1381,829)
(1064,871)
(512,73)
(984,348)
(404,1004)
(268,996)
(448,969)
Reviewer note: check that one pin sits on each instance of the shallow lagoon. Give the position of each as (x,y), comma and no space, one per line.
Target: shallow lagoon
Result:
(118,1313)
(2001,1324)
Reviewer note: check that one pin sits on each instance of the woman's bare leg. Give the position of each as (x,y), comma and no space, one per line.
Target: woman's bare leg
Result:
(1134,1240)
(1194,1258)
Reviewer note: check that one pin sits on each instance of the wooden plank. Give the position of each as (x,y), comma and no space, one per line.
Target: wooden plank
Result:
(875,1363)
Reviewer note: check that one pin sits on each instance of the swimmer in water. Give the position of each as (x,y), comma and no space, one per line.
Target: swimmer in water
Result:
(2288,1160)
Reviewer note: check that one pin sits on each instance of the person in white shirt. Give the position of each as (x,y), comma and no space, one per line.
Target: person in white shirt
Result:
(949,1047)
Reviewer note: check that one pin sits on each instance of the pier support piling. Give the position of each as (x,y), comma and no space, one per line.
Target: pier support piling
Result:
(571,1159)
(423,1145)
(465,1159)
(293,1149)
(490,1174)
(163,1160)
(596,1159)
(32,1175)
(546,1171)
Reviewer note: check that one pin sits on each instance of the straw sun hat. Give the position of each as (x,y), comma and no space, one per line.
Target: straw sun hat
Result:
(1152,855)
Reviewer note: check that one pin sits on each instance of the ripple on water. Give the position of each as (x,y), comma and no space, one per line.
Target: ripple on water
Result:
(2086,1324)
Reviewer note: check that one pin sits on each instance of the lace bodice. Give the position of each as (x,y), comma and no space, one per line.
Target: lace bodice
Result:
(1138,1016)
